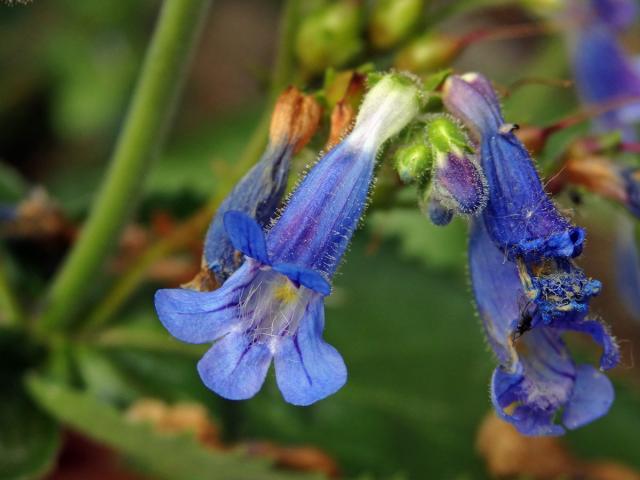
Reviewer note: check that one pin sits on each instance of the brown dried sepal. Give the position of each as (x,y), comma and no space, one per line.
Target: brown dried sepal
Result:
(204,281)
(343,114)
(295,119)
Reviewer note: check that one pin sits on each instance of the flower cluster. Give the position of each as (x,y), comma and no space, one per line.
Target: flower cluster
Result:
(528,289)
(272,306)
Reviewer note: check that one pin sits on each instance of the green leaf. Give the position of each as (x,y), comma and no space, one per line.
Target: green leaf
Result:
(167,456)
(29,440)
(418,239)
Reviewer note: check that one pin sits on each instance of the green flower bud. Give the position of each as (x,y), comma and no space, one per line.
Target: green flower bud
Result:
(413,162)
(393,21)
(329,37)
(445,135)
(428,52)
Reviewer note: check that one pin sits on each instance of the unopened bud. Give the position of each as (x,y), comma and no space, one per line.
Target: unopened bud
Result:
(394,20)
(458,182)
(434,209)
(344,111)
(330,37)
(413,162)
(428,52)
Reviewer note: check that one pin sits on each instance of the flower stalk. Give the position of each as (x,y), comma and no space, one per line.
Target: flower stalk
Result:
(140,138)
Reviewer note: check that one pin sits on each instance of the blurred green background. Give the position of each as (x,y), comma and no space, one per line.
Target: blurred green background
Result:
(401,315)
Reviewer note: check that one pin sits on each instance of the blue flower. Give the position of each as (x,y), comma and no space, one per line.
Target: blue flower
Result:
(272,306)
(260,191)
(519,216)
(536,383)
(603,70)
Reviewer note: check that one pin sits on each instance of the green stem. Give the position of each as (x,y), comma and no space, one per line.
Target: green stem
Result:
(283,72)
(148,116)
(11,314)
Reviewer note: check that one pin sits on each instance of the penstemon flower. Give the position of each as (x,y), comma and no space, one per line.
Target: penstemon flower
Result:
(260,191)
(272,306)
(537,382)
(519,216)
(527,288)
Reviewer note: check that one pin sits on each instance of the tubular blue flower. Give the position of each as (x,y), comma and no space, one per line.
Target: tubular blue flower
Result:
(536,378)
(272,306)
(604,72)
(519,216)
(260,191)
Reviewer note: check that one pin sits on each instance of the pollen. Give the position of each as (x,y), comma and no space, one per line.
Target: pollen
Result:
(286,292)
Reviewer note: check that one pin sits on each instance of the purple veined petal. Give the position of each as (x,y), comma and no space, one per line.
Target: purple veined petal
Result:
(307,368)
(498,292)
(591,399)
(201,317)
(235,367)
(246,235)
(305,277)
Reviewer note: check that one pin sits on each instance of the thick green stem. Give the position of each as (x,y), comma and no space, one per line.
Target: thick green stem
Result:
(148,116)
(283,72)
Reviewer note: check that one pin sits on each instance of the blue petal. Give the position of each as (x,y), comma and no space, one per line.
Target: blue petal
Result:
(591,399)
(527,420)
(307,368)
(246,235)
(497,290)
(305,277)
(201,317)
(600,334)
(235,367)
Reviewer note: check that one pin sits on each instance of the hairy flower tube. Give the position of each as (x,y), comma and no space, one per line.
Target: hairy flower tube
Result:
(259,193)
(537,386)
(519,216)
(272,307)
